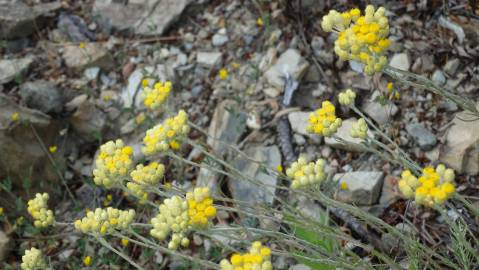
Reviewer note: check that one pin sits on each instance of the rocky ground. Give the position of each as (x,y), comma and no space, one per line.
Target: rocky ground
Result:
(73,70)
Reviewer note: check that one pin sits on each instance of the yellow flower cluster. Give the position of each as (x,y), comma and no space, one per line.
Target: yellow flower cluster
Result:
(347,97)
(106,220)
(172,218)
(361,38)
(178,215)
(165,135)
(154,97)
(200,207)
(359,129)
(304,173)
(324,121)
(258,258)
(38,209)
(144,176)
(434,186)
(113,163)
(33,260)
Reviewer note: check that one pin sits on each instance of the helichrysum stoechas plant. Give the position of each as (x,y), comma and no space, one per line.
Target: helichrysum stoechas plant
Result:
(346,97)
(258,258)
(144,176)
(200,207)
(154,96)
(433,187)
(165,135)
(38,209)
(103,221)
(324,121)
(304,174)
(360,38)
(172,218)
(359,129)
(112,164)
(33,260)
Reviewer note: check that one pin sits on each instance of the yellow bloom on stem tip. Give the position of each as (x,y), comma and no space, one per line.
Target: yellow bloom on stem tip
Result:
(360,38)
(344,186)
(200,207)
(433,187)
(124,242)
(15,116)
(304,174)
(143,177)
(103,221)
(52,149)
(1,211)
(279,168)
(258,257)
(223,74)
(164,136)
(38,209)
(390,86)
(87,261)
(324,121)
(346,97)
(112,164)
(259,22)
(33,260)
(154,97)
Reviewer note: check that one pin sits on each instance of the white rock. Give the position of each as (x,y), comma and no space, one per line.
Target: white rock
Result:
(438,77)
(363,188)
(400,61)
(290,62)
(299,122)
(209,59)
(92,55)
(461,148)
(381,114)
(220,38)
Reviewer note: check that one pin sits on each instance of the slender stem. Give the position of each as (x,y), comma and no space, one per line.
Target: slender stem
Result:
(102,241)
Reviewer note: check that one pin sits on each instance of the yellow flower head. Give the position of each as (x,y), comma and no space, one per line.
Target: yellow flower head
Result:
(433,187)
(172,219)
(304,174)
(223,74)
(164,136)
(259,22)
(154,97)
(143,177)
(359,129)
(200,207)
(15,116)
(82,45)
(112,164)
(124,242)
(33,260)
(52,149)
(1,211)
(38,209)
(103,221)
(324,121)
(87,261)
(347,97)
(360,38)
(257,258)
(140,118)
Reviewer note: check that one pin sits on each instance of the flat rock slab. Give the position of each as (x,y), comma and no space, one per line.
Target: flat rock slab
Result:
(92,55)
(363,187)
(41,95)
(13,68)
(143,17)
(21,154)
(262,190)
(461,148)
(18,20)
